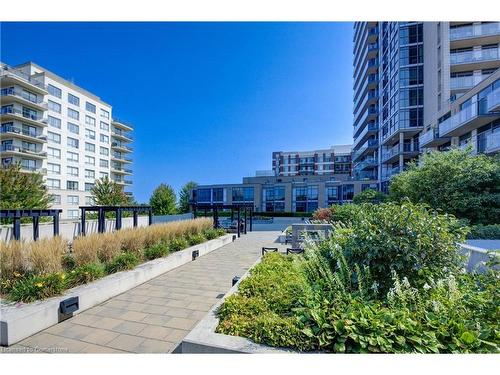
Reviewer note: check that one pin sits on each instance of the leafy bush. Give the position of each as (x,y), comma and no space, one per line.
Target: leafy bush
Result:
(323,214)
(456,182)
(124,261)
(370,196)
(195,239)
(210,233)
(177,244)
(159,250)
(36,287)
(484,232)
(346,213)
(68,262)
(85,274)
(406,238)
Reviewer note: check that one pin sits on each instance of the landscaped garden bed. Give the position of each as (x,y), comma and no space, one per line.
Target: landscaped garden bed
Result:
(390,279)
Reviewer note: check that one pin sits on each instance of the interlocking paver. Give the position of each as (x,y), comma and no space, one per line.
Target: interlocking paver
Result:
(155,316)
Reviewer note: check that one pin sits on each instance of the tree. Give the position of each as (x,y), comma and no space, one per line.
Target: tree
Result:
(370,196)
(108,193)
(19,189)
(456,182)
(163,200)
(184,196)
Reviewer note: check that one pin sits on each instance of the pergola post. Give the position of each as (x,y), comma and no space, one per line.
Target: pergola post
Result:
(245,220)
(194,210)
(118,222)
(100,220)
(216,219)
(150,216)
(232,214)
(251,219)
(36,228)
(238,225)
(135,218)
(83,229)
(56,224)
(17,228)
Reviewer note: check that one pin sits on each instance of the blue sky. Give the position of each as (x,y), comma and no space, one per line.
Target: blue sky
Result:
(209,102)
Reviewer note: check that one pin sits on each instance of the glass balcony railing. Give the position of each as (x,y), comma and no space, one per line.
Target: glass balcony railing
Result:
(27,150)
(474,56)
(122,133)
(457,120)
(35,99)
(24,113)
(475,31)
(121,145)
(488,142)
(493,101)
(26,77)
(12,129)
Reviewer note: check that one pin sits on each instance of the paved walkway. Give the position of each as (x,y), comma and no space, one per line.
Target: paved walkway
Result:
(155,316)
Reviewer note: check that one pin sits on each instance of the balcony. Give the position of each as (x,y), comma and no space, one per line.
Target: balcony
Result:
(431,138)
(369,145)
(121,134)
(369,114)
(11,112)
(390,155)
(371,99)
(473,60)
(120,170)
(122,124)
(369,162)
(390,172)
(23,151)
(366,175)
(117,156)
(368,130)
(15,77)
(493,100)
(12,95)
(464,36)
(370,84)
(121,147)
(20,133)
(488,143)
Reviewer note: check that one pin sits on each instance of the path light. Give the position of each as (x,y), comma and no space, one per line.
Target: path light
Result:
(196,254)
(67,307)
(235,280)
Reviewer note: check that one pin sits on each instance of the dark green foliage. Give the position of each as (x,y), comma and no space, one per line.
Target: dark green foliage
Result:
(108,193)
(370,196)
(158,250)
(484,232)
(184,196)
(210,233)
(195,239)
(163,200)
(178,243)
(37,287)
(85,274)
(68,262)
(345,213)
(456,182)
(124,261)
(22,190)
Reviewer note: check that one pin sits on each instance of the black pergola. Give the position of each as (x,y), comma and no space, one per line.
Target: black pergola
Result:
(118,210)
(16,215)
(240,208)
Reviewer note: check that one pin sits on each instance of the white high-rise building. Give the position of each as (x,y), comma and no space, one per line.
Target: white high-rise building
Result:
(55,127)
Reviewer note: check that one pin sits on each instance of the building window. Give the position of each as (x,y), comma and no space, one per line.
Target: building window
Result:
(104,138)
(89,173)
(72,142)
(73,114)
(73,200)
(72,156)
(54,91)
(243,194)
(218,194)
(347,192)
(88,186)
(72,185)
(54,137)
(305,198)
(53,183)
(72,171)
(104,114)
(274,199)
(89,120)
(103,163)
(332,195)
(104,151)
(54,122)
(90,107)
(89,201)
(54,168)
(53,106)
(55,198)
(89,134)
(103,175)
(54,152)
(89,160)
(89,147)
(73,128)
(73,214)
(203,195)
(104,126)
(72,99)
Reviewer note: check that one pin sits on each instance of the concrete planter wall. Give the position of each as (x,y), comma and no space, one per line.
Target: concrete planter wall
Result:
(18,321)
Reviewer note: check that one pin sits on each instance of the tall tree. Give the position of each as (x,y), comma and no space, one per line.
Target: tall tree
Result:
(184,196)
(19,189)
(108,193)
(163,200)
(456,182)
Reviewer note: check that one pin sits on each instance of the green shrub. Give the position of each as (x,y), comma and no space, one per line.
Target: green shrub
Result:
(484,232)
(178,243)
(158,250)
(210,233)
(85,274)
(195,239)
(346,213)
(370,196)
(220,232)
(124,261)
(37,287)
(68,262)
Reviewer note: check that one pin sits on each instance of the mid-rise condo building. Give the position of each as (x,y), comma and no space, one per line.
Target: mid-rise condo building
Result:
(409,76)
(52,126)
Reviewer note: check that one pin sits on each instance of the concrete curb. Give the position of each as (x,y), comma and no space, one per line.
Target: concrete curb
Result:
(18,321)
(204,340)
